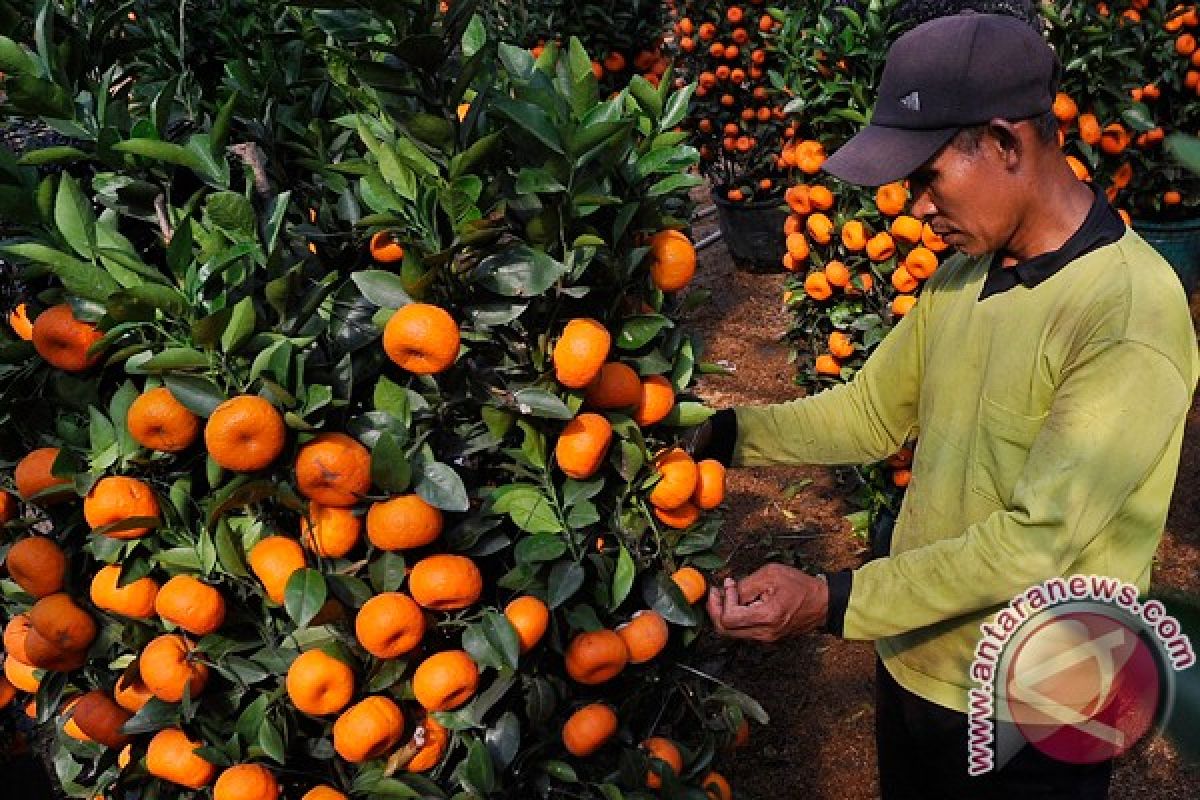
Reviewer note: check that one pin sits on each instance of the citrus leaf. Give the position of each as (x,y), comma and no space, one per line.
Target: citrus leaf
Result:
(622,578)
(566,578)
(390,470)
(519,272)
(305,594)
(534,549)
(198,395)
(74,217)
(441,487)
(384,289)
(541,403)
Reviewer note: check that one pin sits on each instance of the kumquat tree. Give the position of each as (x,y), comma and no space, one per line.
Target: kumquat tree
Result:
(339,406)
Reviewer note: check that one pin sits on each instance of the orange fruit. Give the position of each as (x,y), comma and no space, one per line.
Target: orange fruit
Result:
(389,625)
(323,793)
(171,756)
(99,718)
(60,621)
(334,470)
(1172,198)
(70,728)
(1185,44)
(931,240)
(837,274)
(588,729)
(245,433)
(191,605)
(131,693)
(902,280)
(446,680)
(672,260)
(658,398)
(716,787)
(157,421)
(710,484)
(880,247)
(15,634)
(422,338)
(583,444)
(368,729)
(691,582)
(820,228)
(385,249)
(273,560)
(9,507)
(437,741)
(594,657)
(816,286)
(906,229)
(118,498)
(616,386)
(828,365)
(1114,138)
(657,747)
(19,320)
(37,564)
(891,198)
(685,516)
(580,352)
(8,692)
(901,477)
(21,675)
(1078,167)
(678,481)
(854,235)
(797,198)
(33,476)
(167,667)
(403,522)
(645,636)
(246,782)
(1089,128)
(821,198)
(330,532)
(64,341)
(840,345)
(135,599)
(319,684)
(902,304)
(797,246)
(529,617)
(921,263)
(445,582)
(1064,108)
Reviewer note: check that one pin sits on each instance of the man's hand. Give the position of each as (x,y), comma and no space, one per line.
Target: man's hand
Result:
(774,602)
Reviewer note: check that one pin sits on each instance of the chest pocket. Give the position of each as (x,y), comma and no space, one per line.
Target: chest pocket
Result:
(1001,448)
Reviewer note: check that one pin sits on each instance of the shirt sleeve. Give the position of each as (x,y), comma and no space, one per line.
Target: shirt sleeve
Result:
(864,420)
(1113,417)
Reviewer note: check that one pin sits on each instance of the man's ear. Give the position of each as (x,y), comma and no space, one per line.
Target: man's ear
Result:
(1005,140)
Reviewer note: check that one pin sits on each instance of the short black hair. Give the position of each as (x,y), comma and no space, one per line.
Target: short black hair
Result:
(1044,124)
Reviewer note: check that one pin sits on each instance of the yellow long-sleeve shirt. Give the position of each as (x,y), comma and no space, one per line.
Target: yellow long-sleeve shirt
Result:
(1050,422)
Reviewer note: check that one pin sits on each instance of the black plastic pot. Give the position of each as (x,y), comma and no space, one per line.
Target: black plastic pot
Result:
(753,232)
(1179,244)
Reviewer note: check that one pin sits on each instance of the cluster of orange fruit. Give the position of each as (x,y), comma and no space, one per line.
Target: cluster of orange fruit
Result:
(841,259)
(731,53)
(649,62)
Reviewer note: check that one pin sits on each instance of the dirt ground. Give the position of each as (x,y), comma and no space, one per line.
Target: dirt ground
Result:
(819,690)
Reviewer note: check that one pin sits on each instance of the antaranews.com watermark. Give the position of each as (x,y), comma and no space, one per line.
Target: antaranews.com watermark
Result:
(1079,667)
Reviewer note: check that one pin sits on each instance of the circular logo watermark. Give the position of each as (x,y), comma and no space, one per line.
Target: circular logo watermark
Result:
(1082,686)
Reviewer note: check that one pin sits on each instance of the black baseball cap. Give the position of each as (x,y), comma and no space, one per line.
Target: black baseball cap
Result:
(942,76)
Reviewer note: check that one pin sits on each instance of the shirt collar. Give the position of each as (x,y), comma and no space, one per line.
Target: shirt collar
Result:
(1102,226)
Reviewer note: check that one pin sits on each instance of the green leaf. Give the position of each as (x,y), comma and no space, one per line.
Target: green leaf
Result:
(674,183)
(154,716)
(519,272)
(387,571)
(384,289)
(529,510)
(533,120)
(52,155)
(677,107)
(474,37)
(504,739)
(305,594)
(560,770)
(240,327)
(1139,118)
(75,218)
(81,279)
(637,331)
(622,578)
(536,402)
(441,487)
(646,97)
(540,548)
(534,180)
(13,58)
(492,642)
(477,772)
(392,398)
(517,61)
(175,358)
(271,742)
(390,470)
(231,212)
(198,395)
(566,578)
(687,414)
(1185,149)
(163,151)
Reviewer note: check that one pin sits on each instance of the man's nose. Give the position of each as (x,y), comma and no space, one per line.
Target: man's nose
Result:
(922,205)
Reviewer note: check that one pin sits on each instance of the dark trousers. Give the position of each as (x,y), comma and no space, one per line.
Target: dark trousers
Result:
(923,756)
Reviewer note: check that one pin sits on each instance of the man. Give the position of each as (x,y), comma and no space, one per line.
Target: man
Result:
(1048,368)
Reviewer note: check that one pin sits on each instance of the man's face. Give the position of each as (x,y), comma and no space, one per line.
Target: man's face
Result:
(965,196)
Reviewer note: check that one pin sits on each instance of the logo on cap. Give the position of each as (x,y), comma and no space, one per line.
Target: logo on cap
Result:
(911,101)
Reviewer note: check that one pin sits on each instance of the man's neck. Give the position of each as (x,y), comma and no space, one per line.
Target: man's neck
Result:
(1053,217)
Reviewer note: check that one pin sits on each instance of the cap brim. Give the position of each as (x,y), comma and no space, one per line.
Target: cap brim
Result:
(877,155)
